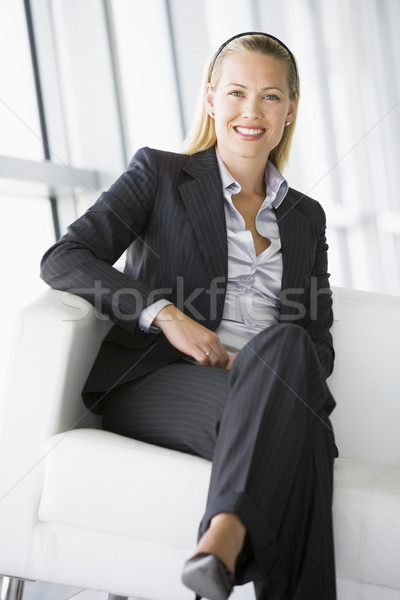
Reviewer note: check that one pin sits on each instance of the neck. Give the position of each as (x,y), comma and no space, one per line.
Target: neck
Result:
(249,172)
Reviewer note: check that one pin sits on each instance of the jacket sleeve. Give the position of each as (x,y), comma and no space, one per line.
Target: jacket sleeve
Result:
(81,262)
(318,315)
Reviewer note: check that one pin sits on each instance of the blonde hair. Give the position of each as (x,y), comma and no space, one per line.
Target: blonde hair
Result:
(202,134)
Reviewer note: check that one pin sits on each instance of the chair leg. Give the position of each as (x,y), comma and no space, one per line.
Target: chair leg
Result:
(12,588)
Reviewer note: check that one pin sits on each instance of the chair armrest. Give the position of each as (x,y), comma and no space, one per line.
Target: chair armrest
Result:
(365,381)
(54,342)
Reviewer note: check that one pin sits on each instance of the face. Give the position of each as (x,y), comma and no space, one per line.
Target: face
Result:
(250,105)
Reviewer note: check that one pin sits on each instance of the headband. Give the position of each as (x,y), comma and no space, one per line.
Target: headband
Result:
(239,35)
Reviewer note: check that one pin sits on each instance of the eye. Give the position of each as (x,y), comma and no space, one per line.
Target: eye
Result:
(235,93)
(271,97)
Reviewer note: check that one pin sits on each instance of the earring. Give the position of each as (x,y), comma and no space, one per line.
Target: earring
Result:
(287,123)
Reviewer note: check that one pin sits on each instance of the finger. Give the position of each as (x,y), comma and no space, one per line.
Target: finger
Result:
(218,357)
(213,359)
(201,357)
(231,361)
(206,357)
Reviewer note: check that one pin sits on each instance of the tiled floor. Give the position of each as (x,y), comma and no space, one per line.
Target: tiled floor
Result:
(49,591)
(36,590)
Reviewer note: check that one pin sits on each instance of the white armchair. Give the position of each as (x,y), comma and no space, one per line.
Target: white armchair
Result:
(80,506)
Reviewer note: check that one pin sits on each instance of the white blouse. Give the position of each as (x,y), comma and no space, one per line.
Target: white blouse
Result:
(254,282)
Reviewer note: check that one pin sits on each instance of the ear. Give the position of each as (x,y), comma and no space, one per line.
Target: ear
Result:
(209,100)
(292,110)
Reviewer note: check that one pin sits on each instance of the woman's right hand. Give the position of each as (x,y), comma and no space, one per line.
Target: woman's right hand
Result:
(191,338)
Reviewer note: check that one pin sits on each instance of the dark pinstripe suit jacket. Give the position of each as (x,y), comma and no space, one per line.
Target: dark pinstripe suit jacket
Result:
(167,211)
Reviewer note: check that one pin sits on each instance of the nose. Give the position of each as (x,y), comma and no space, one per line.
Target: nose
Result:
(252,108)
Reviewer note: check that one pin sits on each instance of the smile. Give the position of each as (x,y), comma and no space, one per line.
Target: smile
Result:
(246,131)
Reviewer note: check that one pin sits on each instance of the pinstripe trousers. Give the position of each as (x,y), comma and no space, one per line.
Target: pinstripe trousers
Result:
(265,426)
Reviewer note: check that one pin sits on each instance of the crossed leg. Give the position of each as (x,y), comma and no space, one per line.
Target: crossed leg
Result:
(265,426)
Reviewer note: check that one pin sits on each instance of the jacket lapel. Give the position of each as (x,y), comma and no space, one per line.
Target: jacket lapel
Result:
(203,198)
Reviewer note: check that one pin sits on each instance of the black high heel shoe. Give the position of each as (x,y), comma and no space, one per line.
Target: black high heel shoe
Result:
(208,577)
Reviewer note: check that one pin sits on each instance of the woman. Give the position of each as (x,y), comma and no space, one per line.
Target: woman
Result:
(221,344)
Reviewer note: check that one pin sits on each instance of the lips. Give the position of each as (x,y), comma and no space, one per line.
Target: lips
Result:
(250,131)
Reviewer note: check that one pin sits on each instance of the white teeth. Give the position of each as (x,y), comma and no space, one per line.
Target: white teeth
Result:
(245,131)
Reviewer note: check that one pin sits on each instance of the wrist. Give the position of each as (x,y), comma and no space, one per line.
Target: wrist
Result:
(166,314)
(148,314)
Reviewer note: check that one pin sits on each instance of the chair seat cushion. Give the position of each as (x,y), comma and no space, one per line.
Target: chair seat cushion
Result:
(101,481)
(106,482)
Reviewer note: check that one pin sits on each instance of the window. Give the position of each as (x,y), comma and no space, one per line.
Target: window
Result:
(148,79)
(19,116)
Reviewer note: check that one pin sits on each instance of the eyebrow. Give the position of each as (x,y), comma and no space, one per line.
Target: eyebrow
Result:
(270,87)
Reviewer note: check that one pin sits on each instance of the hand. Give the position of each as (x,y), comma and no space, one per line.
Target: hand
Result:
(230,361)
(191,338)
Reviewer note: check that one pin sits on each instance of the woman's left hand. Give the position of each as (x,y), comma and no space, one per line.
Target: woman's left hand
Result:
(230,361)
